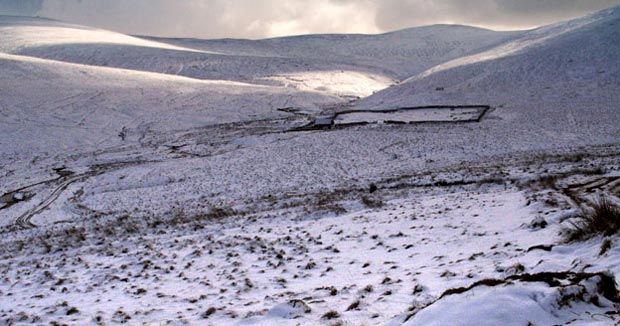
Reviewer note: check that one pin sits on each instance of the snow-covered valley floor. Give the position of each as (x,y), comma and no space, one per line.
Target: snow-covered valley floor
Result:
(373,258)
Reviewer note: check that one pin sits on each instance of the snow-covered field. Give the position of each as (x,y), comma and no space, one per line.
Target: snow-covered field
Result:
(412,115)
(152,181)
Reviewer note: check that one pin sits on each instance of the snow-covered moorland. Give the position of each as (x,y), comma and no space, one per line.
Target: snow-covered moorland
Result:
(152,181)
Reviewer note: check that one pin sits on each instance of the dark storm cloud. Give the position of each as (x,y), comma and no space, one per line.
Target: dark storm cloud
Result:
(506,14)
(20,7)
(267,18)
(217,18)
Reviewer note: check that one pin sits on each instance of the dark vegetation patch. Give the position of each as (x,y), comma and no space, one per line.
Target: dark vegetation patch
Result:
(372,202)
(208,312)
(354,305)
(331,315)
(607,285)
(602,218)
(549,181)
(63,237)
(372,188)
(540,247)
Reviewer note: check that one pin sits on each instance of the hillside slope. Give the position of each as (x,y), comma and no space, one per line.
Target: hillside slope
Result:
(166,181)
(572,62)
(63,80)
(392,55)
(51,107)
(398,54)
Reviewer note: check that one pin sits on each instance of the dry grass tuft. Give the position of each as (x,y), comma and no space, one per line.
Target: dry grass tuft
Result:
(602,218)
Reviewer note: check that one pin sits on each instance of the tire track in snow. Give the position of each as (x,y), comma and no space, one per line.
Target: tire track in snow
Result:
(608,185)
(24,220)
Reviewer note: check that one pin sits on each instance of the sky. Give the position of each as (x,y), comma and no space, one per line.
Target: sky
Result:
(272,18)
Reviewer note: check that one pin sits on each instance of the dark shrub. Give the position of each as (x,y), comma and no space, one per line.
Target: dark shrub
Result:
(331,315)
(602,218)
(208,313)
(72,311)
(354,306)
(373,188)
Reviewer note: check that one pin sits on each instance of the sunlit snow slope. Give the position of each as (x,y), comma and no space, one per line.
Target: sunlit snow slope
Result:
(66,86)
(574,62)
(377,57)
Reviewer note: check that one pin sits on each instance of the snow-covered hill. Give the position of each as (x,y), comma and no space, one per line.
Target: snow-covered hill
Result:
(166,181)
(568,62)
(392,55)
(50,106)
(20,33)
(398,54)
(69,80)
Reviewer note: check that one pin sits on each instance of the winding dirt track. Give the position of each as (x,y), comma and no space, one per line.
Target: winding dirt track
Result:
(61,183)
(24,221)
(609,185)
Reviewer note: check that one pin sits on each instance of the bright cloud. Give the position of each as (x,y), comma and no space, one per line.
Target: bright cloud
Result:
(271,18)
